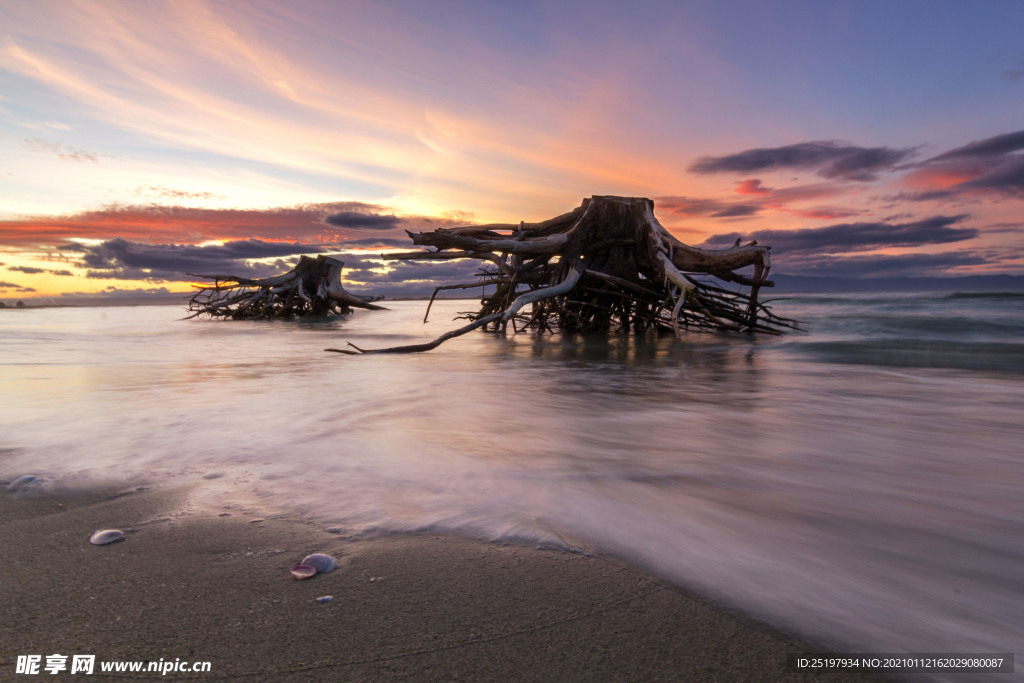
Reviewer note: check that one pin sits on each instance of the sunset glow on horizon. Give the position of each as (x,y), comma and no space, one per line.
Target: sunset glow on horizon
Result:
(140,141)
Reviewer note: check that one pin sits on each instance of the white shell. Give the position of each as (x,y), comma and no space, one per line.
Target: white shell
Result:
(320,562)
(302,571)
(24,482)
(105,536)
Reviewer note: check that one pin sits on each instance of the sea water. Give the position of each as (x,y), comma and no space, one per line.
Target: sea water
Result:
(859,484)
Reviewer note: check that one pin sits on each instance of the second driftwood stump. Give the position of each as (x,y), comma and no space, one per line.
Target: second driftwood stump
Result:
(608,265)
(312,288)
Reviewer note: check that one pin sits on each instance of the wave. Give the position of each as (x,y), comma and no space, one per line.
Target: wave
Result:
(997,357)
(956,328)
(860,298)
(985,295)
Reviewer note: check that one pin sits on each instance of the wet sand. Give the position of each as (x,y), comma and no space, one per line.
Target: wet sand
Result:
(205,586)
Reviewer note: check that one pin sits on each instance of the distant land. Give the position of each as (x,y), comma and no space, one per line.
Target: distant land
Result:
(784,284)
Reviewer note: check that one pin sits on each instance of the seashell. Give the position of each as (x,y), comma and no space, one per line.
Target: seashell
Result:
(105,536)
(303,571)
(320,562)
(324,598)
(23,483)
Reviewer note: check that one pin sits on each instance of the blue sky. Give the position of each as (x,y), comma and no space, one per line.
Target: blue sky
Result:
(132,132)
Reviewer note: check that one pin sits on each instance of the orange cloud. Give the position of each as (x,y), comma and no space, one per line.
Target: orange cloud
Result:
(752,186)
(185,225)
(940,178)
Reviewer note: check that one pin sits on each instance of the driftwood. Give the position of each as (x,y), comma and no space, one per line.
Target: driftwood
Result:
(608,265)
(312,288)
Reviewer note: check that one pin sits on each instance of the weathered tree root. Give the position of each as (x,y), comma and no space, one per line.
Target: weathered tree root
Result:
(312,288)
(608,265)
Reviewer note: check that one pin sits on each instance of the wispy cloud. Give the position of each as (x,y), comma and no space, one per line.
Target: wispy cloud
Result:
(30,270)
(63,151)
(121,259)
(331,223)
(852,237)
(886,265)
(825,213)
(834,160)
(13,286)
(925,196)
(992,165)
(1007,177)
(990,147)
(172,193)
(370,270)
(758,199)
(140,294)
(367,243)
(839,250)
(714,208)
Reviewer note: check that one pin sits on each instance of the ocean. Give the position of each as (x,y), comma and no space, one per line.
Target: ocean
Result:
(860,484)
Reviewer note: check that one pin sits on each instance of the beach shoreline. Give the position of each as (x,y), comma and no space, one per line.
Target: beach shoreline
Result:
(193,586)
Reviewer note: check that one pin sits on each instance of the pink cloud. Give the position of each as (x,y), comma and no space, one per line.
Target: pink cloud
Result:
(752,186)
(824,213)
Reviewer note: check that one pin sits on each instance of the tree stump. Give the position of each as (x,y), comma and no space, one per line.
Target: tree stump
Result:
(312,288)
(608,265)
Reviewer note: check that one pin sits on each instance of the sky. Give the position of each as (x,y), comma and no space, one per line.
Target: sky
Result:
(141,141)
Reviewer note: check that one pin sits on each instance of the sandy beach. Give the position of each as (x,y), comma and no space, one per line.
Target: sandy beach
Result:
(187,586)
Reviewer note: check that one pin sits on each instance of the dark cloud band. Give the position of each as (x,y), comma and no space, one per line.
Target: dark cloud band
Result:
(989,147)
(831,159)
(885,265)
(121,259)
(362,221)
(852,237)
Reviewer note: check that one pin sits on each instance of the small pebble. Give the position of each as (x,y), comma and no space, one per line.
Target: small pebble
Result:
(324,598)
